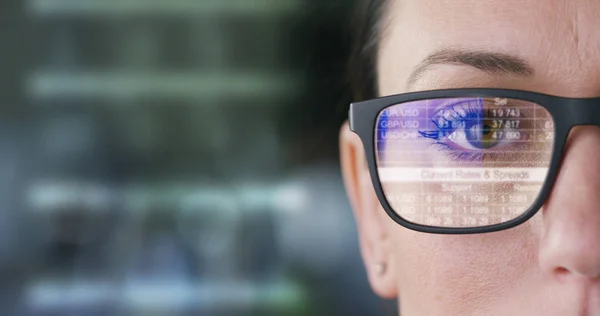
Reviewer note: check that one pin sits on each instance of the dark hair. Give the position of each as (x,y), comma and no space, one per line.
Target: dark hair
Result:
(336,42)
(362,64)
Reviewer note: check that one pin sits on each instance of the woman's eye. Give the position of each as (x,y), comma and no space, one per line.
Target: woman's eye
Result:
(478,134)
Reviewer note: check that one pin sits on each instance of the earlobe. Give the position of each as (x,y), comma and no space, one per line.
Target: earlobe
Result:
(370,218)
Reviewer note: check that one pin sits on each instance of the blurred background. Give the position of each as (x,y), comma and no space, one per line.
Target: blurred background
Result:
(176,157)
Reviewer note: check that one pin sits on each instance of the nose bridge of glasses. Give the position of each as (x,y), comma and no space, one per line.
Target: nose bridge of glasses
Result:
(580,112)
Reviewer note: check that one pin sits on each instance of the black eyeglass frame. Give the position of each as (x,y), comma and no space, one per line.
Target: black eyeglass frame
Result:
(565,112)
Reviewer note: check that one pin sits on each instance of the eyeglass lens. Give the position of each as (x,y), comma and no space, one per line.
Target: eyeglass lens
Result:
(463,162)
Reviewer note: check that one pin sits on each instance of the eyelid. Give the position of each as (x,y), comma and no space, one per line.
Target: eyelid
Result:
(450,106)
(444,113)
(450,103)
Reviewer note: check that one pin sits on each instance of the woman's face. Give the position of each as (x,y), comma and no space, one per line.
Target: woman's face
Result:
(551,264)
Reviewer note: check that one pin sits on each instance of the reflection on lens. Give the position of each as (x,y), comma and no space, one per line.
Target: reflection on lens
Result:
(463,162)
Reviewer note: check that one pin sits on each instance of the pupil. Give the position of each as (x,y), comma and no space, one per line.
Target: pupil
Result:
(477,134)
(486,129)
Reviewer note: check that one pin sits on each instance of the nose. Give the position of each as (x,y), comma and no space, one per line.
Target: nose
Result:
(570,246)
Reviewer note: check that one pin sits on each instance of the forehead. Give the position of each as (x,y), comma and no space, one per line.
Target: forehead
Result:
(559,38)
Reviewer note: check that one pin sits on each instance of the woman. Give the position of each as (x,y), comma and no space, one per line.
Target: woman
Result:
(482,201)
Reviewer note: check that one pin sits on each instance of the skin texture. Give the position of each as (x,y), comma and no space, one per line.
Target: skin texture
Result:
(547,266)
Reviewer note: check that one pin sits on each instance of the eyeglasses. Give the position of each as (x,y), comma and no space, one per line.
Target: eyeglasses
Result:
(466,161)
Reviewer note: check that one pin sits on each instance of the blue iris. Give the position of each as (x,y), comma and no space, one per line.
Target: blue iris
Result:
(467,115)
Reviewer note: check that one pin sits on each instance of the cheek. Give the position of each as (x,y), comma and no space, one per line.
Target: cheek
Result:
(463,273)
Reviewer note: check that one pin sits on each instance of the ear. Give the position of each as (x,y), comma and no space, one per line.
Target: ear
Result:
(371,219)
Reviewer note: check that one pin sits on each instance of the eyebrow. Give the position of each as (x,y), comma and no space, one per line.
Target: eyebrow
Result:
(490,62)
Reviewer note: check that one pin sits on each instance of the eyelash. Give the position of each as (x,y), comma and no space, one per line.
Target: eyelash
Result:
(442,132)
